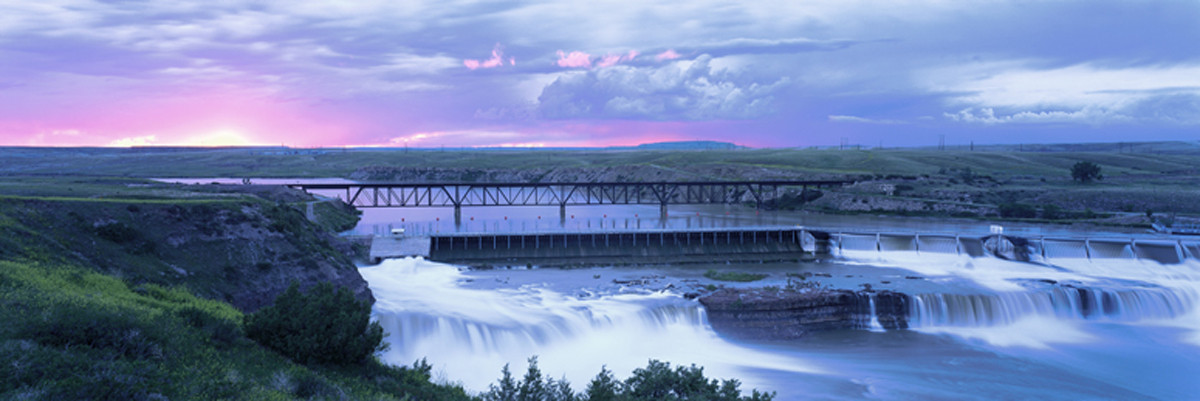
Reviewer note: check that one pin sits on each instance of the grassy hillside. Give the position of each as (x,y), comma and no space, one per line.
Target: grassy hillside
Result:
(75,334)
(106,312)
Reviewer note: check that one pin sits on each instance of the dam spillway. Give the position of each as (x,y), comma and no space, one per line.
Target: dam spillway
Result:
(649,246)
(619,247)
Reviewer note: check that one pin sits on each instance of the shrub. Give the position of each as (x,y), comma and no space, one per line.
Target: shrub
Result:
(1086,172)
(657,381)
(221,331)
(1052,212)
(326,325)
(117,232)
(1017,210)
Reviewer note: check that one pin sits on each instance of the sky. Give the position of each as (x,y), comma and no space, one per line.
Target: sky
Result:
(447,73)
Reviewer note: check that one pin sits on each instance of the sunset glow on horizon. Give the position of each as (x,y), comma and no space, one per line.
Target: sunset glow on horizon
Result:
(445,74)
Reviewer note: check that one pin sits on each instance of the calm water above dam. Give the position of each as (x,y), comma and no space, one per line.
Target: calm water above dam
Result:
(1116,324)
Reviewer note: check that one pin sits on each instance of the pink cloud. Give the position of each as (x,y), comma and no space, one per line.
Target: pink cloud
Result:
(613,59)
(670,54)
(496,60)
(575,59)
(578,59)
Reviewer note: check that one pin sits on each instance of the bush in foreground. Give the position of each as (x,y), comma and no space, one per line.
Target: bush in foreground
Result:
(656,382)
(326,325)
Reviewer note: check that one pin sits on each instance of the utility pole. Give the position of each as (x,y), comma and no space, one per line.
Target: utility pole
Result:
(942,142)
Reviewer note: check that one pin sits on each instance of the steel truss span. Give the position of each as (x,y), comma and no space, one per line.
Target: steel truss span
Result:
(368,195)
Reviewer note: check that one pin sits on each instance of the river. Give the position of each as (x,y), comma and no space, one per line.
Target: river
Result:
(1112,324)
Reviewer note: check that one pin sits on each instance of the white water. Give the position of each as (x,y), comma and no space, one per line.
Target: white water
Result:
(469,334)
(1109,282)
(874,323)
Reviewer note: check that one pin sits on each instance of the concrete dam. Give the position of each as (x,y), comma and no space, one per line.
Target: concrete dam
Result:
(647,246)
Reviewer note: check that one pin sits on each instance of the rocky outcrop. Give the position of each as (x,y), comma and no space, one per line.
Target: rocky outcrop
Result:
(780,314)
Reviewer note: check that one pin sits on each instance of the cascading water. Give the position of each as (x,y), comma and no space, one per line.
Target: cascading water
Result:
(1058,302)
(1105,281)
(873,316)
(469,334)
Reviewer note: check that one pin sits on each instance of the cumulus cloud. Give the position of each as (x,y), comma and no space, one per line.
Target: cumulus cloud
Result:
(685,90)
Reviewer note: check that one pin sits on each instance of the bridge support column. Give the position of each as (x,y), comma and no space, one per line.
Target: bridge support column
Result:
(457,215)
(662,211)
(562,214)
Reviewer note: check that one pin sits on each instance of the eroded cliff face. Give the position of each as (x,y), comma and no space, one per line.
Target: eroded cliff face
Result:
(780,314)
(244,251)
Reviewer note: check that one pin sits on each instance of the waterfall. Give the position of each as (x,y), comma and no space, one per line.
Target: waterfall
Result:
(1066,281)
(469,334)
(1063,303)
(873,324)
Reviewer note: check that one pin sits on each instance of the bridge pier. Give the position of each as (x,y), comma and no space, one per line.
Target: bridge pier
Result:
(562,214)
(662,210)
(457,215)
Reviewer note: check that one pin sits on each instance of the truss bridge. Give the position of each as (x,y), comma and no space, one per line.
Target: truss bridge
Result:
(459,195)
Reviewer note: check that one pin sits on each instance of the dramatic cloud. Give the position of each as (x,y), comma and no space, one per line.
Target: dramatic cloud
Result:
(767,73)
(687,91)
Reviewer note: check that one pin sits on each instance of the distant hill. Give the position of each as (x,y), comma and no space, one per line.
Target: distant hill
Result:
(1165,147)
(686,145)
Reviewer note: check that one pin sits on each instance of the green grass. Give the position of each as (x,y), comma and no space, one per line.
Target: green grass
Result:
(87,314)
(70,333)
(741,277)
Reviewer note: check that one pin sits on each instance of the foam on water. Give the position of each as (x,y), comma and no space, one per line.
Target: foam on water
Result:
(1155,284)
(1038,332)
(469,334)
